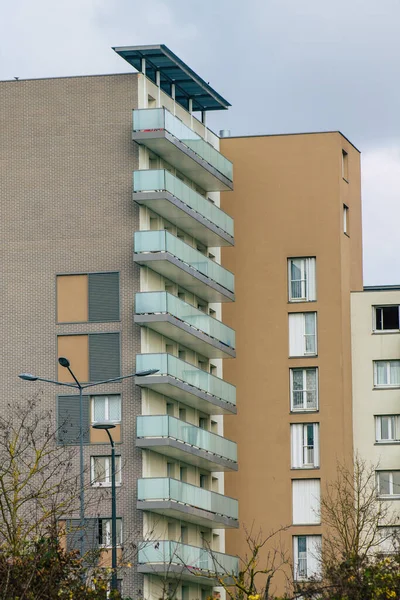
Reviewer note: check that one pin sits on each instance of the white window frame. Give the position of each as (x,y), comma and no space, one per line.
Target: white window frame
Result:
(106,525)
(393,429)
(107,408)
(345,219)
(107,482)
(375,308)
(297,438)
(384,385)
(311,562)
(306,501)
(307,282)
(389,539)
(294,337)
(304,391)
(389,475)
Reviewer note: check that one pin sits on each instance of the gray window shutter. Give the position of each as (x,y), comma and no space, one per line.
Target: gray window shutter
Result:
(104,356)
(90,535)
(68,420)
(103,297)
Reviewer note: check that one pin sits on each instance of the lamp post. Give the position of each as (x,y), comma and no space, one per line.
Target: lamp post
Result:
(106,427)
(64,362)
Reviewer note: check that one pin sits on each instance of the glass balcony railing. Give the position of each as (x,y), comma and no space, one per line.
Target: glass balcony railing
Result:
(166,364)
(161,180)
(190,557)
(153,119)
(164,426)
(166,488)
(163,241)
(165,303)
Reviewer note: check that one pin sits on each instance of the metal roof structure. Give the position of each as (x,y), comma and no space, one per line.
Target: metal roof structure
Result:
(188,85)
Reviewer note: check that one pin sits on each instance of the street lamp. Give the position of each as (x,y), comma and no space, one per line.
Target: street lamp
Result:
(64,362)
(106,427)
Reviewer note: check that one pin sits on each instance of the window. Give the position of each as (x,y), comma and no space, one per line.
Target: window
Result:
(305,445)
(389,539)
(105,529)
(92,297)
(306,496)
(303,334)
(106,408)
(388,483)
(304,389)
(387,428)
(345,165)
(345,219)
(302,284)
(95,409)
(93,356)
(386,373)
(306,556)
(387,318)
(100,470)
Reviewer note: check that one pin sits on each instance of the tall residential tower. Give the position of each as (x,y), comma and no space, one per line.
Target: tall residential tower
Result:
(120,276)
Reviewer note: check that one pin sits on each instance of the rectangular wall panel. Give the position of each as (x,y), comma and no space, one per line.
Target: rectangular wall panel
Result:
(76,349)
(104,356)
(68,423)
(72,298)
(306,501)
(103,297)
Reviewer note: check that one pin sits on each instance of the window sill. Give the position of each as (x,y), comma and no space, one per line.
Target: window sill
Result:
(385,331)
(386,387)
(299,300)
(304,356)
(301,411)
(305,468)
(104,485)
(390,498)
(387,443)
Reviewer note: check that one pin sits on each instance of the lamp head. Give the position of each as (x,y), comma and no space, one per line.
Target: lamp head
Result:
(64,362)
(103,426)
(148,372)
(28,377)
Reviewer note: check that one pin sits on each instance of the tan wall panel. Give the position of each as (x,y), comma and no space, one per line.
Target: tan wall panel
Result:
(288,202)
(106,557)
(98,436)
(76,349)
(72,298)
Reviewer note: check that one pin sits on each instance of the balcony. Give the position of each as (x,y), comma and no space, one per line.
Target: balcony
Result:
(166,254)
(186,383)
(182,322)
(172,199)
(188,563)
(179,500)
(168,137)
(182,441)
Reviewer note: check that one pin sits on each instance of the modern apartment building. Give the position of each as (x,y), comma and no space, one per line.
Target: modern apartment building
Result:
(297,256)
(376,382)
(120,274)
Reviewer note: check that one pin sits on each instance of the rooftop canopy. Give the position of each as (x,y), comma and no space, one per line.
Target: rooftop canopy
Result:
(173,70)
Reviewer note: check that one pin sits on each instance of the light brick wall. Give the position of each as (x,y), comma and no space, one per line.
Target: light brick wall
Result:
(66,162)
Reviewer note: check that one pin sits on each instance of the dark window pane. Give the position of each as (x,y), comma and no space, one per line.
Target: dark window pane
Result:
(68,420)
(387,317)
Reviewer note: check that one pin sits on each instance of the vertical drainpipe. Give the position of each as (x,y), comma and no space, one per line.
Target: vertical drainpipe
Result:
(144,83)
(158,84)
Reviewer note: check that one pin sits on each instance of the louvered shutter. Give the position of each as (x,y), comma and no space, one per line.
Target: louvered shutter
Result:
(104,356)
(90,534)
(68,420)
(306,501)
(103,297)
(296,432)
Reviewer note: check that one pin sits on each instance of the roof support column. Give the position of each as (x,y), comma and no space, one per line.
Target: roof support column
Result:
(145,101)
(173,96)
(203,120)
(158,84)
(191,112)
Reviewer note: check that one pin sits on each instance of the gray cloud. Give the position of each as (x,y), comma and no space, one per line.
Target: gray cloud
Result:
(286,66)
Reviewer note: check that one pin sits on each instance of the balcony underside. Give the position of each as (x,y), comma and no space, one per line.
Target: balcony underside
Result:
(186,453)
(184,217)
(184,334)
(176,270)
(180,156)
(180,572)
(191,514)
(187,394)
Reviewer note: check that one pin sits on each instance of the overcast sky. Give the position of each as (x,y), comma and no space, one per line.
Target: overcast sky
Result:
(305,65)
